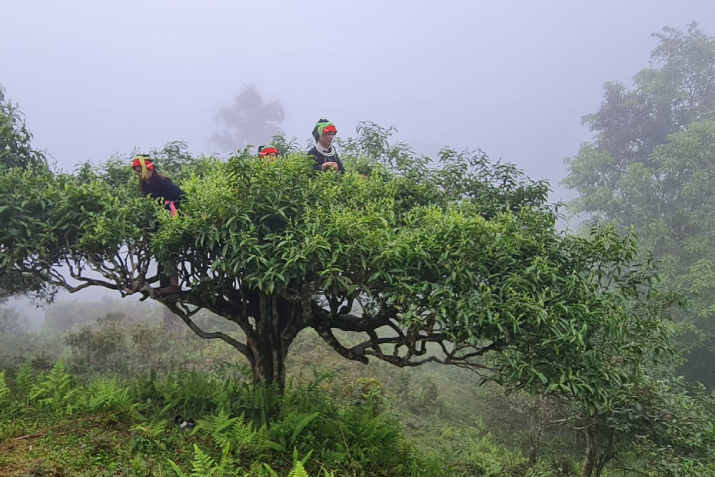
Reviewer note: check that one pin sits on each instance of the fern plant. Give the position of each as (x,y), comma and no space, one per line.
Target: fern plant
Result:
(298,469)
(283,435)
(371,439)
(106,395)
(190,393)
(228,432)
(24,381)
(4,389)
(259,402)
(147,436)
(55,390)
(203,465)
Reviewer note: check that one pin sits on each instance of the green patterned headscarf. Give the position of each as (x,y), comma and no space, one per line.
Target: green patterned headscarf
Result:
(326,127)
(323,126)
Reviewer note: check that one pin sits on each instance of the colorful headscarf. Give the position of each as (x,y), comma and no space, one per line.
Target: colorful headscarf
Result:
(145,162)
(266,151)
(326,127)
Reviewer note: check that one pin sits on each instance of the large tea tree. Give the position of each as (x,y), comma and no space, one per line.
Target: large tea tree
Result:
(459,263)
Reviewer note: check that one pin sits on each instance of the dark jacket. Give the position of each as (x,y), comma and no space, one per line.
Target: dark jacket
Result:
(321,159)
(163,187)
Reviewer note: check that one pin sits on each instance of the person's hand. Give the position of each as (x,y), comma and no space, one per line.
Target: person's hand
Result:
(331,165)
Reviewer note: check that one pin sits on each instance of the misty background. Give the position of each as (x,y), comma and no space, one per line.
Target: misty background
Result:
(511,78)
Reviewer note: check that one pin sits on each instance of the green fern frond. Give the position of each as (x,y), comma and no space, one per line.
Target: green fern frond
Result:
(270,470)
(226,459)
(263,439)
(105,395)
(302,425)
(330,455)
(55,390)
(176,469)
(203,465)
(24,381)
(298,470)
(242,432)
(216,424)
(227,432)
(55,383)
(4,388)
(149,431)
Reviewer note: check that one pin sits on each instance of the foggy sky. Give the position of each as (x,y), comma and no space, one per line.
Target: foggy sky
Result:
(512,78)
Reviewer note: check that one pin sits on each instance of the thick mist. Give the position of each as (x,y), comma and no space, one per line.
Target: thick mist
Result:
(513,79)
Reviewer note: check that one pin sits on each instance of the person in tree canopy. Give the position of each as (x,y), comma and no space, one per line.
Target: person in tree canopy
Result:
(324,152)
(268,153)
(156,185)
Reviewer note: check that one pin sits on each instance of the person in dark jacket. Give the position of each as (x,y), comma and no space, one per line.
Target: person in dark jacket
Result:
(156,185)
(323,152)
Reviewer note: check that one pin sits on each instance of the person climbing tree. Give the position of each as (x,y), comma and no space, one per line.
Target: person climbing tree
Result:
(326,158)
(156,185)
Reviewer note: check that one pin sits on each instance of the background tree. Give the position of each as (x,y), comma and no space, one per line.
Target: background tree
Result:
(677,89)
(650,166)
(11,322)
(248,121)
(653,420)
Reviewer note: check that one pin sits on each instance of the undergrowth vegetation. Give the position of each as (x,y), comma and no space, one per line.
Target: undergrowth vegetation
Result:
(112,404)
(121,395)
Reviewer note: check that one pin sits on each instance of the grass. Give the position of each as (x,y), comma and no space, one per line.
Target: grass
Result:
(340,416)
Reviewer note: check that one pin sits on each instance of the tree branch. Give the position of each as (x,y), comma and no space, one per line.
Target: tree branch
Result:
(47,273)
(185,315)
(413,341)
(327,334)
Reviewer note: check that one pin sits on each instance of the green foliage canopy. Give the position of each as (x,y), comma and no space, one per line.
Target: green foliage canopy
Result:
(16,151)
(650,166)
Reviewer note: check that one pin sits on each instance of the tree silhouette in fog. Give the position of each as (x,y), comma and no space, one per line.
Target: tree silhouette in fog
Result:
(650,166)
(249,120)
